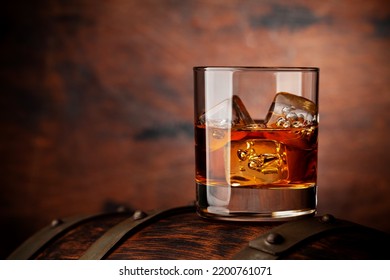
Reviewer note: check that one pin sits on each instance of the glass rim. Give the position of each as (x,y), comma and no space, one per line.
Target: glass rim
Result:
(258,68)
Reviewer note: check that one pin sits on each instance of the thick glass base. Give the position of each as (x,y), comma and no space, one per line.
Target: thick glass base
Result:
(255,204)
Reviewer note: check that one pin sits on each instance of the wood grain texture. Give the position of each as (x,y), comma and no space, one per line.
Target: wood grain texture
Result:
(97,100)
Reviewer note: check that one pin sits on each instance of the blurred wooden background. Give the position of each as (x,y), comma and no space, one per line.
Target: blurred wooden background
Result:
(97,100)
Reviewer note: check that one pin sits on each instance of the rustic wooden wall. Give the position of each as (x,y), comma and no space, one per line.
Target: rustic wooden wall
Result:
(97,100)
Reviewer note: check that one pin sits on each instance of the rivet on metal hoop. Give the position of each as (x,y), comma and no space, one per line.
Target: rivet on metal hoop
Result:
(274,238)
(56,222)
(327,218)
(121,209)
(138,214)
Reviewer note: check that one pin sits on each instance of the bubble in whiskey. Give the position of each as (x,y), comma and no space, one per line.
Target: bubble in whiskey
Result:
(242,154)
(289,110)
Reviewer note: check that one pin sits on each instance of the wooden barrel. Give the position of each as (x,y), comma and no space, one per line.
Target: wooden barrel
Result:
(178,233)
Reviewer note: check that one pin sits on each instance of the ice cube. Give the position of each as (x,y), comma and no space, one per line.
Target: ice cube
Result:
(228,113)
(220,118)
(257,161)
(289,110)
(242,116)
